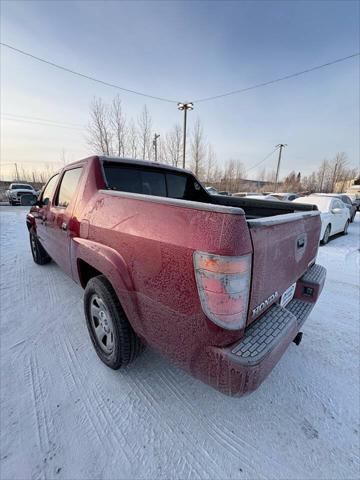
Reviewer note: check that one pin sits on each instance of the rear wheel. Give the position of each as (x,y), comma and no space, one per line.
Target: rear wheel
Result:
(346,227)
(326,236)
(114,339)
(38,252)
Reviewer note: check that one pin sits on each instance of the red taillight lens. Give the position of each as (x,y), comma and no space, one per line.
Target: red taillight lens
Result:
(224,285)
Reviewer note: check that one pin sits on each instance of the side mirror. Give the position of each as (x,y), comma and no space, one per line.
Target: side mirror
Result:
(336,211)
(39,203)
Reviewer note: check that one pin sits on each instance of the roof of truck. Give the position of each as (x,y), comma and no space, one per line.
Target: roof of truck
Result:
(145,163)
(132,161)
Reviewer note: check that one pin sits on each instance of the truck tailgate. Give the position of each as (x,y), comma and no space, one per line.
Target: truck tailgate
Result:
(284,246)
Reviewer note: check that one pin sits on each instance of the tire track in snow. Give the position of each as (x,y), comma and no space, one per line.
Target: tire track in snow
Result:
(78,386)
(105,431)
(151,404)
(105,413)
(44,423)
(220,435)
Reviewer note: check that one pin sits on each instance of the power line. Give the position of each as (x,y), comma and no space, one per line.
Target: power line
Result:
(262,161)
(41,119)
(42,162)
(280,79)
(163,99)
(44,124)
(88,77)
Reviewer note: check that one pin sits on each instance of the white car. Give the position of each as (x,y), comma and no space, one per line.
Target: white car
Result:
(335,217)
(285,196)
(262,197)
(17,190)
(212,190)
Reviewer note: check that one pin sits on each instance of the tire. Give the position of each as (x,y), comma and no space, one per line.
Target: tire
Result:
(345,232)
(39,254)
(326,236)
(114,340)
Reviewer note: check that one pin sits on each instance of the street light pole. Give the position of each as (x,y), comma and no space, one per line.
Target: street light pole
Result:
(185,107)
(281,146)
(156,136)
(17,173)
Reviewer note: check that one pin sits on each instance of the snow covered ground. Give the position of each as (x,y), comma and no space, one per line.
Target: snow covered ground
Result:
(65,415)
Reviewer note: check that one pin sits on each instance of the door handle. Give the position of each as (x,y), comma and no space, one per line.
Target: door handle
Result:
(64,226)
(300,243)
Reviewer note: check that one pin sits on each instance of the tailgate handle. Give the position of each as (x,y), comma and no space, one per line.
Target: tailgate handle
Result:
(300,243)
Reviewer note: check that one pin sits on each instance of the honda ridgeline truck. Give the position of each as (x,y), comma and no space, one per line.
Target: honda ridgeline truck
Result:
(219,285)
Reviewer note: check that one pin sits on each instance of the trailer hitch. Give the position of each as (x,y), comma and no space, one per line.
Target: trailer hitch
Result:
(298,338)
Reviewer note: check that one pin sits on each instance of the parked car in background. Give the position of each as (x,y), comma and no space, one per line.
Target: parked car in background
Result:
(350,205)
(224,192)
(219,285)
(355,200)
(212,190)
(261,195)
(258,195)
(335,216)
(346,200)
(285,197)
(17,190)
(245,194)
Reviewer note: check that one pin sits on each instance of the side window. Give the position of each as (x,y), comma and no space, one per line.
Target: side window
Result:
(337,204)
(176,185)
(48,191)
(153,183)
(68,186)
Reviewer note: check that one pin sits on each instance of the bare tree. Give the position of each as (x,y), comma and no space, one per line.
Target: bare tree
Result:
(321,175)
(338,167)
(173,141)
(210,164)
(197,150)
(63,157)
(261,174)
(132,143)
(99,129)
(118,125)
(144,129)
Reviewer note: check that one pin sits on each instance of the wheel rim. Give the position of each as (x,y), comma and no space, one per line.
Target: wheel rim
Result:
(102,324)
(346,227)
(33,245)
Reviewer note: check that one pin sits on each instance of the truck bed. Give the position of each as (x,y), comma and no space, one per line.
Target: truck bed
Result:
(257,208)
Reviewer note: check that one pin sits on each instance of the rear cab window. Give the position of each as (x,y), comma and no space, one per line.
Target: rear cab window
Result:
(153,181)
(69,183)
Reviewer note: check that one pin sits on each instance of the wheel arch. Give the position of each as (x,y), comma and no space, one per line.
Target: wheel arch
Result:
(91,259)
(30,222)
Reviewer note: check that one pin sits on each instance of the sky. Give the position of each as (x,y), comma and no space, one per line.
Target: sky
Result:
(183,51)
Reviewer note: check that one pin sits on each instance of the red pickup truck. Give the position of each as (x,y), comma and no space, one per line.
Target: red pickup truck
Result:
(219,285)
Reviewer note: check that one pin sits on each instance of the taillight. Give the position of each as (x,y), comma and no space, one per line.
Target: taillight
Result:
(224,285)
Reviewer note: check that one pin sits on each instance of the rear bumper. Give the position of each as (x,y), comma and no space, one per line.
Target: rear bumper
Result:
(240,368)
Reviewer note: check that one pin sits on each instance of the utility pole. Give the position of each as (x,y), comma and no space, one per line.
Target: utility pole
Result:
(281,146)
(17,173)
(185,107)
(156,136)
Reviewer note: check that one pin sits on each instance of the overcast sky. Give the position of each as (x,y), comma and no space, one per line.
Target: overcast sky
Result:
(184,51)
